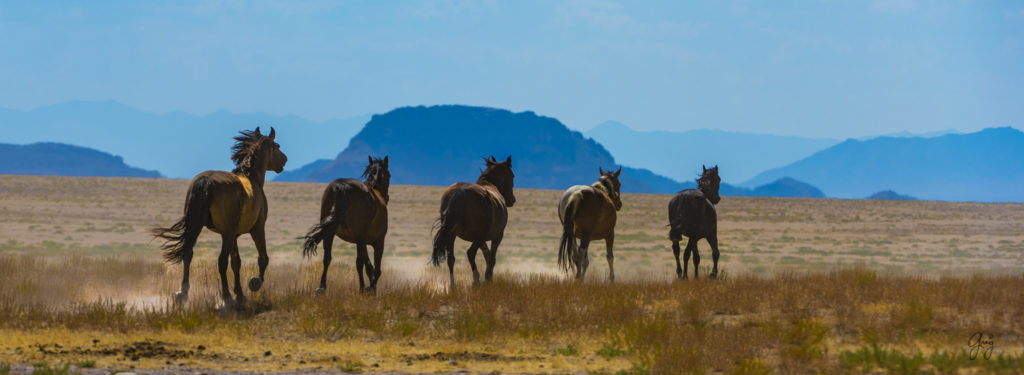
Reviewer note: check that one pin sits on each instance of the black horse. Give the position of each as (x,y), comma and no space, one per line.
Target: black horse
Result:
(357,212)
(476,213)
(691,213)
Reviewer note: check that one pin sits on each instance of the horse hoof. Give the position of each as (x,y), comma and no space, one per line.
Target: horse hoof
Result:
(713,276)
(321,291)
(255,284)
(180,298)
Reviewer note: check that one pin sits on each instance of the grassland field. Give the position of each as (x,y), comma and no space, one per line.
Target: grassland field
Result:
(807,285)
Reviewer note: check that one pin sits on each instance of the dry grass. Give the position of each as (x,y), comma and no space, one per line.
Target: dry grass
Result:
(821,285)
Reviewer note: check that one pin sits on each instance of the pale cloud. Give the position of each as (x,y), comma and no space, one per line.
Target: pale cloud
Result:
(431,9)
(611,16)
(894,6)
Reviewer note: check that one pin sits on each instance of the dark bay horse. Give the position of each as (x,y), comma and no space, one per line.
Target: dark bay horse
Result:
(691,213)
(230,204)
(476,213)
(357,212)
(588,213)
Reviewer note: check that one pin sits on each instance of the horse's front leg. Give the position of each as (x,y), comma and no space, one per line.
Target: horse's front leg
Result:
(260,240)
(491,256)
(608,242)
(378,253)
(362,258)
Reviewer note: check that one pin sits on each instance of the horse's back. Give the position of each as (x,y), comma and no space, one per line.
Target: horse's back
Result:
(594,211)
(482,212)
(573,192)
(235,205)
(365,217)
(690,214)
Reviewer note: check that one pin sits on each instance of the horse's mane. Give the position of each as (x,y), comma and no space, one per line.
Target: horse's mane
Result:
(245,150)
(374,177)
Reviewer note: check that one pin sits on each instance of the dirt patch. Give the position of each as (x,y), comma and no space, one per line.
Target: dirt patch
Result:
(134,351)
(468,356)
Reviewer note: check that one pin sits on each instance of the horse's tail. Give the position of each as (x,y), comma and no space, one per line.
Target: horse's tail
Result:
(181,237)
(452,212)
(333,208)
(567,247)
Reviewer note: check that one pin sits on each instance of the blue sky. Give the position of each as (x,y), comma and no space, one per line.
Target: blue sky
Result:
(815,68)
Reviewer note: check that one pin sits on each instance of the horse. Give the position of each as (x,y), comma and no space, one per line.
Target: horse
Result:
(476,213)
(691,213)
(588,213)
(230,204)
(357,212)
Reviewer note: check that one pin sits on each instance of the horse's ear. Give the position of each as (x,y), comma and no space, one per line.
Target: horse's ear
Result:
(703,167)
(508,161)
(600,170)
(272,133)
(618,172)
(257,131)
(488,161)
(385,160)
(370,158)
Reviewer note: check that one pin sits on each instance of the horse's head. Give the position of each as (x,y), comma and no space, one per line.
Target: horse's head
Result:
(378,176)
(500,175)
(275,158)
(253,150)
(610,180)
(708,184)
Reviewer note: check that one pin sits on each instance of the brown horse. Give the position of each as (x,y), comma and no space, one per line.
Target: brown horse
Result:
(588,213)
(692,213)
(357,212)
(476,213)
(230,204)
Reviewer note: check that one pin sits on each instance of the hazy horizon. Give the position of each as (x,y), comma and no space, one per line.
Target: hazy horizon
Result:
(813,69)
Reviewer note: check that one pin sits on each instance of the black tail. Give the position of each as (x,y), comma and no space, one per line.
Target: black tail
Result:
(567,247)
(452,210)
(181,237)
(327,226)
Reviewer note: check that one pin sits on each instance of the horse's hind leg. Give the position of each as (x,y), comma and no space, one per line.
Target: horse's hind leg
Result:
(378,253)
(679,268)
(236,266)
(328,244)
(691,247)
(713,240)
(222,266)
(608,242)
(362,258)
(186,261)
(582,256)
(451,264)
(471,254)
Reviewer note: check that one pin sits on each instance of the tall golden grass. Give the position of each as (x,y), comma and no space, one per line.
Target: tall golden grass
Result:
(845,320)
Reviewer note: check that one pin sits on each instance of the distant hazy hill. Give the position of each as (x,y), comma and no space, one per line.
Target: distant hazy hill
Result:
(677,154)
(65,160)
(176,143)
(984,166)
(440,145)
(891,195)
